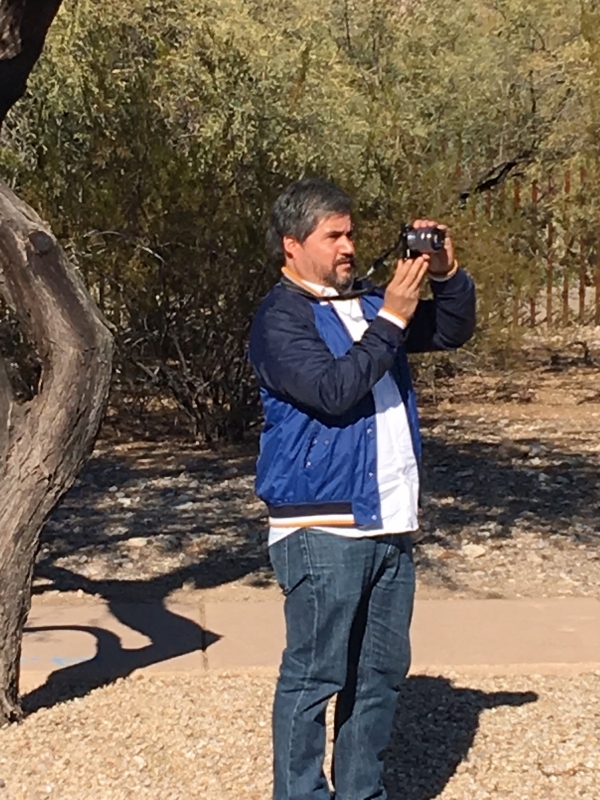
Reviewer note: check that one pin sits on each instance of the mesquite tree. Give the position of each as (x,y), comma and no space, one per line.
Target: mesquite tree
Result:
(43,442)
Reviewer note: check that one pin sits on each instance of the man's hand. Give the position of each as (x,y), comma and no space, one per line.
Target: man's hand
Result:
(403,291)
(441,262)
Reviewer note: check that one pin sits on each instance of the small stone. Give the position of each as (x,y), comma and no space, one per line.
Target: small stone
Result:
(471,550)
(185,506)
(136,541)
(537,449)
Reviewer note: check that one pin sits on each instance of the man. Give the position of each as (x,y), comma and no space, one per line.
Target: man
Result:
(338,469)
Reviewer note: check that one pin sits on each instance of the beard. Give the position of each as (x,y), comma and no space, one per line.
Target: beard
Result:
(337,282)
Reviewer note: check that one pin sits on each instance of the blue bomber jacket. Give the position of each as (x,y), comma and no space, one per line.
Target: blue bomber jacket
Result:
(318,450)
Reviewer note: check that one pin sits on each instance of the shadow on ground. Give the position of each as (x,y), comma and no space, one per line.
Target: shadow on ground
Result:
(199,512)
(193,510)
(170,635)
(434,729)
(498,486)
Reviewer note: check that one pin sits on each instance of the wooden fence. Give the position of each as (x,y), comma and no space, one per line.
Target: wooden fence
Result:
(571,294)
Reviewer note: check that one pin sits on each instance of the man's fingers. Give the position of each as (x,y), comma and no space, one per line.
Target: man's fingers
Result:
(421,270)
(410,273)
(429,223)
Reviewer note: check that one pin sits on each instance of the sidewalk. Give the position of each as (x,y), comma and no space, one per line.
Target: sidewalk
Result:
(90,641)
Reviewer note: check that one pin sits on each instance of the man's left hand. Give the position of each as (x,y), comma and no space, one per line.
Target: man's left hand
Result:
(442,262)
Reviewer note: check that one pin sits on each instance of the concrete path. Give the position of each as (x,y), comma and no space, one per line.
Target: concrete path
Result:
(89,641)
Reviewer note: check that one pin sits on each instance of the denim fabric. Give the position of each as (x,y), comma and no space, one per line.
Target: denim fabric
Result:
(348,608)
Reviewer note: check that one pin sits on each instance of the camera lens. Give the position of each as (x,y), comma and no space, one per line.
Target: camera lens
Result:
(425,240)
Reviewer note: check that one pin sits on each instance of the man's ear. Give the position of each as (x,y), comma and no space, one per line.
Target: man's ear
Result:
(291,245)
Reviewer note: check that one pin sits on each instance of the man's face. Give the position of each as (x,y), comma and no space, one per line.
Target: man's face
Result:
(327,255)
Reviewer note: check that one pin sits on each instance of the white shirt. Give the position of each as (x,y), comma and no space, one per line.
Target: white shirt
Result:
(397,469)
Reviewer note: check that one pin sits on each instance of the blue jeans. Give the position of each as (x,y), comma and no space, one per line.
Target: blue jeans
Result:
(348,608)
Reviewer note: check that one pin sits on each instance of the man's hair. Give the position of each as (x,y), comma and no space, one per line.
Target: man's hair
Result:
(299,209)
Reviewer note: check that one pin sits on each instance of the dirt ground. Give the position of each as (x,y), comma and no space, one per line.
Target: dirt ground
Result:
(510,502)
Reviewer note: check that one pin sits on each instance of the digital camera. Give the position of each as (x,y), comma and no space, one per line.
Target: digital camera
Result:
(416,241)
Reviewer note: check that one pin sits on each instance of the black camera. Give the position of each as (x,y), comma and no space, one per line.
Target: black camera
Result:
(414,242)
(411,242)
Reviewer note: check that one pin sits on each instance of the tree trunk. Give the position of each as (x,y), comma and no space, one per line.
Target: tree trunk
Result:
(43,443)
(23,28)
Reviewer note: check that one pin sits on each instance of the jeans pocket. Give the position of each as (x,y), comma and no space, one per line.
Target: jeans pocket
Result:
(289,562)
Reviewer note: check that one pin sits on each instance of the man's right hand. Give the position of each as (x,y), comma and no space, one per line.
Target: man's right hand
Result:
(403,291)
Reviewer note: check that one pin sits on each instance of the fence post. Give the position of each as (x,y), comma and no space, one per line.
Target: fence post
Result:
(532,303)
(565,288)
(550,260)
(597,283)
(582,265)
(516,297)
(549,275)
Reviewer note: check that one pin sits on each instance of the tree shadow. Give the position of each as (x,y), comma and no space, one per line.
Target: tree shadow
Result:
(192,515)
(498,485)
(137,603)
(434,729)
(112,661)
(170,634)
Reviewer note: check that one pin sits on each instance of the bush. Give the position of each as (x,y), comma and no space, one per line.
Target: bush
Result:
(156,135)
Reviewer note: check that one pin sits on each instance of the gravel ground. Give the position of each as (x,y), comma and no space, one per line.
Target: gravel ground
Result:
(208,738)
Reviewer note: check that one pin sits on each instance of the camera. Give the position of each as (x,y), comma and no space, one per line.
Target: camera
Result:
(411,242)
(415,241)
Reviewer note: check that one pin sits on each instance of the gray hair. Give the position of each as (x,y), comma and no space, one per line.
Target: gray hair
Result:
(299,209)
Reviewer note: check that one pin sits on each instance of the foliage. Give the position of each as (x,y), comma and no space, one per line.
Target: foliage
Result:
(157,133)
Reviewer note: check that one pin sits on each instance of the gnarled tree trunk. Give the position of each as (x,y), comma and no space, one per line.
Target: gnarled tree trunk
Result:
(44,442)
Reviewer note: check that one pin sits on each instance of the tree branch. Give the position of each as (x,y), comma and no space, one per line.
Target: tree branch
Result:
(497,175)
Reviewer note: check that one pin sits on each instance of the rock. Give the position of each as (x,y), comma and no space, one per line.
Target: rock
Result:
(167,542)
(117,530)
(136,541)
(537,450)
(471,550)
(185,506)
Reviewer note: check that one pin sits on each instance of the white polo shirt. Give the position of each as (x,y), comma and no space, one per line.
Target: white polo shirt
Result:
(397,469)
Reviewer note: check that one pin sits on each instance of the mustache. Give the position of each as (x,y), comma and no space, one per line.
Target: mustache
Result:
(346,260)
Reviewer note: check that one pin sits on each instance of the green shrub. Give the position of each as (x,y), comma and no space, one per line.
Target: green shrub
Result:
(156,135)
